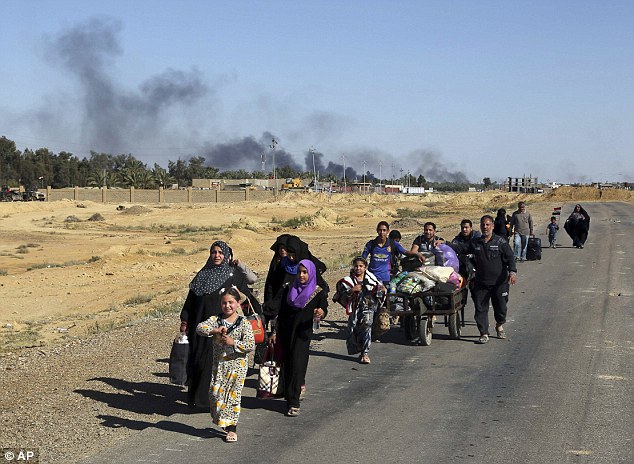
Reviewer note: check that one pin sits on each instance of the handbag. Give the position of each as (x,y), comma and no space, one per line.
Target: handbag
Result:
(381,323)
(178,360)
(257,326)
(270,384)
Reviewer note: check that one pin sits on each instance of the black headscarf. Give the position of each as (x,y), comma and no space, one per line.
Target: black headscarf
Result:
(499,224)
(586,216)
(280,241)
(211,277)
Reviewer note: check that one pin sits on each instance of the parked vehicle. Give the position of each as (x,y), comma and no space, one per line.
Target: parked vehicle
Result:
(10,194)
(33,195)
(292,184)
(14,194)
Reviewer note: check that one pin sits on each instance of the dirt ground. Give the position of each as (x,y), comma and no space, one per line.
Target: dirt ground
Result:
(84,284)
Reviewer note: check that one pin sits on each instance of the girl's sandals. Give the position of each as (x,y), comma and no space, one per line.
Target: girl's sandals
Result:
(231,437)
(365,359)
(293,412)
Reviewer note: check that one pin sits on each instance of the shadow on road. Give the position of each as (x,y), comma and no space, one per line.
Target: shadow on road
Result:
(139,397)
(170,426)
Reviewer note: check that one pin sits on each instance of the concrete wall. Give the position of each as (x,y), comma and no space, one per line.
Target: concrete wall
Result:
(133,195)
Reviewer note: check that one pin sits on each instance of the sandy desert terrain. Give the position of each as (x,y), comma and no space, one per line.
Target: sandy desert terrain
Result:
(70,269)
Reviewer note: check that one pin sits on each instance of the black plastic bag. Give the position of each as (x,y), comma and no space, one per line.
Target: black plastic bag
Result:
(178,362)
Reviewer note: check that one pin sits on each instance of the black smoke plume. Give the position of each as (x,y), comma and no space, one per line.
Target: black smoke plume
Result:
(164,107)
(114,119)
(246,153)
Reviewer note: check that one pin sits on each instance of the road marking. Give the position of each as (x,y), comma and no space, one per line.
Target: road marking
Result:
(611,377)
(579,452)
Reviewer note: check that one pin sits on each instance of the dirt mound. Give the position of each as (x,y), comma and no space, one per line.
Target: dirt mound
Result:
(378,213)
(614,194)
(245,223)
(136,210)
(564,194)
(406,223)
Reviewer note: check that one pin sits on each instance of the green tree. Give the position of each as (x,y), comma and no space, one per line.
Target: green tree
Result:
(178,171)
(10,160)
(162,178)
(238,174)
(101,178)
(486,182)
(284,172)
(197,168)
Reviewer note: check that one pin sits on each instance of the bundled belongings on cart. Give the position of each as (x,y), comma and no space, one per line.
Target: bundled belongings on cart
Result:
(411,282)
(411,263)
(445,256)
(445,280)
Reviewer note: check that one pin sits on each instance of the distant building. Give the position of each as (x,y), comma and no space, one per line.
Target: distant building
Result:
(522,184)
(235,184)
(604,185)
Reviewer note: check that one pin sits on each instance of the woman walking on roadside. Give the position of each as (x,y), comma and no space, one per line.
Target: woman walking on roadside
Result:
(577,225)
(501,225)
(302,301)
(203,301)
(232,339)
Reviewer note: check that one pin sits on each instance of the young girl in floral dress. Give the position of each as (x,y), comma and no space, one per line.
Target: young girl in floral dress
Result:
(232,340)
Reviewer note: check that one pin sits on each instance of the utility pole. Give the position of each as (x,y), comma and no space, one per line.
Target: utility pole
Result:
(263,158)
(315,184)
(380,167)
(344,172)
(364,186)
(272,146)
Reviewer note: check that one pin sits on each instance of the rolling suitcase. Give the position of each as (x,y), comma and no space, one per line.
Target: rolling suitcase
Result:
(534,249)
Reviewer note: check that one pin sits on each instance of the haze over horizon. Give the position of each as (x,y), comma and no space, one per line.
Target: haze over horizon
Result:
(454,91)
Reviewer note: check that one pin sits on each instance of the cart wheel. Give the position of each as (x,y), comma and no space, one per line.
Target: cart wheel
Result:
(454,325)
(424,330)
(408,323)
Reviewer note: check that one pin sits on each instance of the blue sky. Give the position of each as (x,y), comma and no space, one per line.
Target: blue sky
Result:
(447,89)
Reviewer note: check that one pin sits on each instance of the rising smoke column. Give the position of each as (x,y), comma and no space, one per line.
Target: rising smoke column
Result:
(113,118)
(246,153)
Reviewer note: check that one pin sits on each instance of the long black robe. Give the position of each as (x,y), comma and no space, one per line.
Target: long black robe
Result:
(272,284)
(277,275)
(199,364)
(295,330)
(578,228)
(500,224)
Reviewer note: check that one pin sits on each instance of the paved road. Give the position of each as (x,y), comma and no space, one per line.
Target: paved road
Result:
(558,390)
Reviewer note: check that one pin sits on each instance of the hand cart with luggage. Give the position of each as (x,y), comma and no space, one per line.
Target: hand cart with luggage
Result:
(418,310)
(419,302)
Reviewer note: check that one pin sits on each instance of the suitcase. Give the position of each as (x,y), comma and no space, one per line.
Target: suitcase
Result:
(534,249)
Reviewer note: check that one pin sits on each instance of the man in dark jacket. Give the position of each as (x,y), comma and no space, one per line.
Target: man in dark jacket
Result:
(495,271)
(467,262)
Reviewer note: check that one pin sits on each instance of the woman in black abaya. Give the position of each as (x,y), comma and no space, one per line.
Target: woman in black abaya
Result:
(203,301)
(577,225)
(284,272)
